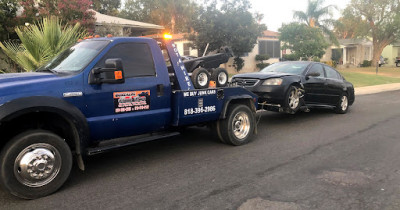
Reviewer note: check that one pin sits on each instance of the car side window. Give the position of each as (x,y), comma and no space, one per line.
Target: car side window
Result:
(137,59)
(317,68)
(332,73)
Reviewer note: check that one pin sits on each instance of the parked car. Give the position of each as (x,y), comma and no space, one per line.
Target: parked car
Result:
(298,85)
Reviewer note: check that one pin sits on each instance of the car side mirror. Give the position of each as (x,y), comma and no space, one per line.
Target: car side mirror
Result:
(113,73)
(312,74)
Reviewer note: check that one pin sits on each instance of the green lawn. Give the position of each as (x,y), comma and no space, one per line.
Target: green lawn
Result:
(367,79)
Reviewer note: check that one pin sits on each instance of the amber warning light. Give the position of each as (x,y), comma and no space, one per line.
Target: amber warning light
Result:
(167,36)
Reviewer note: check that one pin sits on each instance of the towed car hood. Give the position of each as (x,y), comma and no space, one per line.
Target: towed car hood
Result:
(261,75)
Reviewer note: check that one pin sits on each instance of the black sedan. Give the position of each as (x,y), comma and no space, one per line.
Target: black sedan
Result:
(298,85)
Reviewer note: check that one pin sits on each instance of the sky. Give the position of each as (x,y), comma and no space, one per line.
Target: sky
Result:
(277,12)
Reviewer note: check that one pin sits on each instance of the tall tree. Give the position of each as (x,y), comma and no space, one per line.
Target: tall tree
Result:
(69,11)
(319,16)
(175,15)
(304,41)
(350,26)
(108,7)
(8,10)
(383,18)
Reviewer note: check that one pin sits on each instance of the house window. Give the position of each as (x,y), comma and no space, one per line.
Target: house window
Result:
(186,49)
(272,48)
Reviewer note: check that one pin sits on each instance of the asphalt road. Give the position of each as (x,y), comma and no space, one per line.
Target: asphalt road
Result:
(316,160)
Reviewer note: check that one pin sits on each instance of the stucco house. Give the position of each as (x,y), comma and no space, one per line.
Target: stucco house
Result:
(353,51)
(391,52)
(267,43)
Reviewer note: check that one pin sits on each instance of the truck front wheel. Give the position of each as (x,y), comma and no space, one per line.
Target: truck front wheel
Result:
(238,127)
(34,164)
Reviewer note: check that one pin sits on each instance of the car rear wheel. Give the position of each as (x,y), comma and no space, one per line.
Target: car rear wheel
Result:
(292,101)
(343,104)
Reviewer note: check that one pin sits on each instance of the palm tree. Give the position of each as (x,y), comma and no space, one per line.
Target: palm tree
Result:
(315,16)
(41,42)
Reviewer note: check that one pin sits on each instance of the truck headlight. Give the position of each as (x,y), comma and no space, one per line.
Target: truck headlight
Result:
(273,81)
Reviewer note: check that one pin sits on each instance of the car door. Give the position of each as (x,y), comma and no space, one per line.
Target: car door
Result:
(315,90)
(134,107)
(335,85)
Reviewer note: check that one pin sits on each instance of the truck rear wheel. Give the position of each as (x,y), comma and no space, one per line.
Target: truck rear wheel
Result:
(200,78)
(238,127)
(34,164)
(220,76)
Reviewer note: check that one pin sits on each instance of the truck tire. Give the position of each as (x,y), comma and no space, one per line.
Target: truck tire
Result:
(220,76)
(238,127)
(200,78)
(397,64)
(34,164)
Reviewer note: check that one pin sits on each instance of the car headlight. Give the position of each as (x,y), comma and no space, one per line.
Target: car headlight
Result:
(273,81)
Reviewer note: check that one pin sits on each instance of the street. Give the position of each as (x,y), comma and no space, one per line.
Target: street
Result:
(316,160)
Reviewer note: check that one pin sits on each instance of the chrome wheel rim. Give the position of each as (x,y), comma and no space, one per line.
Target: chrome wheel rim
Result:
(294,99)
(241,125)
(202,79)
(344,103)
(37,165)
(222,78)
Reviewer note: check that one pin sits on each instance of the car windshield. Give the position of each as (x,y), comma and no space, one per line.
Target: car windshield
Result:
(286,67)
(75,58)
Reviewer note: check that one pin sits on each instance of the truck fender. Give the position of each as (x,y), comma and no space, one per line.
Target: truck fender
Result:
(18,107)
(246,99)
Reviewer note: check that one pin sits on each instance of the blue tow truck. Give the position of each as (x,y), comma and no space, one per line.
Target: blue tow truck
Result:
(99,95)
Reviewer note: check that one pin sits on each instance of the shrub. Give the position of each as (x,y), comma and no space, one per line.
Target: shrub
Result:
(262,65)
(238,63)
(40,42)
(291,57)
(262,57)
(366,63)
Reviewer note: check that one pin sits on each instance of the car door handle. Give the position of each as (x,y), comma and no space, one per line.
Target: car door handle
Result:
(160,90)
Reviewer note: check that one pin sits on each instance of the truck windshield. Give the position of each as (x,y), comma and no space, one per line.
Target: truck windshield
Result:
(286,67)
(75,58)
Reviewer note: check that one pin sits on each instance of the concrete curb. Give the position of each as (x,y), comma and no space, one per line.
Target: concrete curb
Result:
(377,89)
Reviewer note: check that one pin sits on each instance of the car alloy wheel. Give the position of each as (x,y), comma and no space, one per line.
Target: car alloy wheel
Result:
(294,99)
(344,103)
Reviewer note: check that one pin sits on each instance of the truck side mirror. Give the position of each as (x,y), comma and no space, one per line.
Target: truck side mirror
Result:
(113,73)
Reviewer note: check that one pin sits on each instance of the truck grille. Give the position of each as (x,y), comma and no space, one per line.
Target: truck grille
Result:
(245,82)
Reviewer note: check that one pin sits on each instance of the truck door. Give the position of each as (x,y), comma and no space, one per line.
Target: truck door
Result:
(141,104)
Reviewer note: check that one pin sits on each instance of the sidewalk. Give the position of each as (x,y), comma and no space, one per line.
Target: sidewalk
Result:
(377,89)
